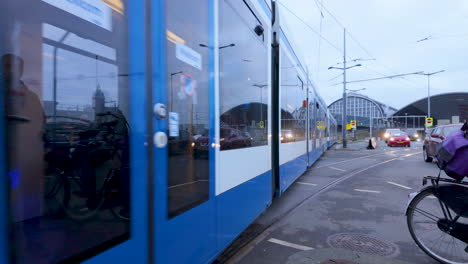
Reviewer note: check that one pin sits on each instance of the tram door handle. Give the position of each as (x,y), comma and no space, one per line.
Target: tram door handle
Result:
(160,138)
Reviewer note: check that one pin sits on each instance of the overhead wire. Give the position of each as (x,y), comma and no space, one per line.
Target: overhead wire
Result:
(363,48)
(334,46)
(311,28)
(320,31)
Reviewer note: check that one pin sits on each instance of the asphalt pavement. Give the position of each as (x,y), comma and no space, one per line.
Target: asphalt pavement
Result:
(348,208)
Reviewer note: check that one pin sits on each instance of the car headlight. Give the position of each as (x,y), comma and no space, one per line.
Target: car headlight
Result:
(391,139)
(416,135)
(386,135)
(289,135)
(193,144)
(407,138)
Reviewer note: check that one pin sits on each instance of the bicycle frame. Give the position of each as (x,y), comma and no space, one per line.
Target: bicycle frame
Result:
(457,230)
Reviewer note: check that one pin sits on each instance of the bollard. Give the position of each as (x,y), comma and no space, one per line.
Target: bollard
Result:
(372,143)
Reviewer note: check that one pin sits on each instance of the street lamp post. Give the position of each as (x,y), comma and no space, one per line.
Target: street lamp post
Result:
(429,90)
(406,120)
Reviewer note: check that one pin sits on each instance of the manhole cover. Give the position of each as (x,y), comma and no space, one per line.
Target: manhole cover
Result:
(362,243)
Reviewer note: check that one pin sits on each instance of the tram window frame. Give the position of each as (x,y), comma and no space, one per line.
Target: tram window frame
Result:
(36,70)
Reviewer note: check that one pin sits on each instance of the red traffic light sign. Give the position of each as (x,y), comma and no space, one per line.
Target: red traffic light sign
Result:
(429,121)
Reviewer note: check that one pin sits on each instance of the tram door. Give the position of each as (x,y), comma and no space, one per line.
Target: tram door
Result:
(72,151)
(184,211)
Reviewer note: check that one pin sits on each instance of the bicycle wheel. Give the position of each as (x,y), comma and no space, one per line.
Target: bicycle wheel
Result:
(425,220)
(80,206)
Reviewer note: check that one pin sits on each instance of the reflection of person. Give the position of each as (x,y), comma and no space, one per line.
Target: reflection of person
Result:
(25,118)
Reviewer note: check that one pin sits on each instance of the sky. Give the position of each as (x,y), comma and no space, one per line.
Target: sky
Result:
(384,34)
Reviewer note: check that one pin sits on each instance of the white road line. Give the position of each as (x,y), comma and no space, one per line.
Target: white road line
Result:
(336,168)
(306,183)
(288,244)
(399,185)
(369,191)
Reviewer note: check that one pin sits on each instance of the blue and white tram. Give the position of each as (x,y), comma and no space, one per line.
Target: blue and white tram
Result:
(150,131)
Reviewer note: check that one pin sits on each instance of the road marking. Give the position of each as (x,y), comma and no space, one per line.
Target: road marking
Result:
(306,183)
(369,191)
(399,185)
(412,154)
(288,244)
(338,162)
(336,168)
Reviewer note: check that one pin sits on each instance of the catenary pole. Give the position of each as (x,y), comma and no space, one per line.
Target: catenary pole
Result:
(343,118)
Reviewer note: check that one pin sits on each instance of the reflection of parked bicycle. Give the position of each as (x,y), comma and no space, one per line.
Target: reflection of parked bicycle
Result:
(98,152)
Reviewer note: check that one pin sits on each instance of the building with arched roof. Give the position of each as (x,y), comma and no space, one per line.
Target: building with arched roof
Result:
(361,108)
(445,108)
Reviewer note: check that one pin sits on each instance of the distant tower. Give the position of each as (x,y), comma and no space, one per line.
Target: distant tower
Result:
(99,101)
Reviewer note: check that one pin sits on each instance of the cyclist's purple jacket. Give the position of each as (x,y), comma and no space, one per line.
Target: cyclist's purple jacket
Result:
(454,155)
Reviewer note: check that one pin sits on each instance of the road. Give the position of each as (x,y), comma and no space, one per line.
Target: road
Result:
(353,199)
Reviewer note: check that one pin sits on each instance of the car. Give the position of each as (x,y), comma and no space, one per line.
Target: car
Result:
(230,138)
(287,136)
(388,132)
(399,139)
(413,134)
(434,139)
(181,144)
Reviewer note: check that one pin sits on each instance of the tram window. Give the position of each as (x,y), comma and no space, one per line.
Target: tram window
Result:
(321,123)
(188,93)
(293,96)
(243,84)
(312,113)
(67,129)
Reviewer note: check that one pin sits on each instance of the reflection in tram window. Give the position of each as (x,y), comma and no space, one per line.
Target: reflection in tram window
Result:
(321,125)
(187,91)
(312,117)
(293,103)
(243,84)
(66,108)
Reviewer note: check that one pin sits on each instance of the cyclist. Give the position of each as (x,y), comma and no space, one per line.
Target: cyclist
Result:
(453,155)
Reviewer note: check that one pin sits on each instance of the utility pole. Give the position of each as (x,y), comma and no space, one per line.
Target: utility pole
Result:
(344,117)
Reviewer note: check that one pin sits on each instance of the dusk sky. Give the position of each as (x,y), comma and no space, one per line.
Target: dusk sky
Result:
(385,33)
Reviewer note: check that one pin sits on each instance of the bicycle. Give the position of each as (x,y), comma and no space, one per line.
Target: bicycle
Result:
(437,218)
(66,181)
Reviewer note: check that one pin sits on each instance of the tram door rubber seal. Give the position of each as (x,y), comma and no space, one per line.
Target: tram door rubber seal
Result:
(275,116)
